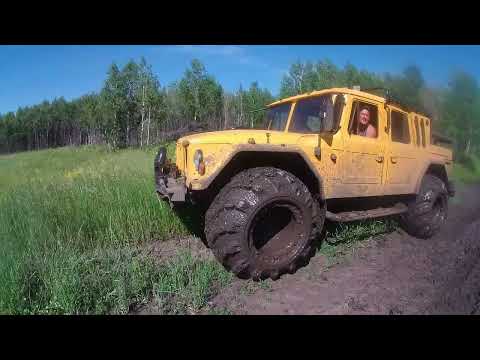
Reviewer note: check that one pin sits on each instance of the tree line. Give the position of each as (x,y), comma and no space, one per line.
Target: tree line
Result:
(134,109)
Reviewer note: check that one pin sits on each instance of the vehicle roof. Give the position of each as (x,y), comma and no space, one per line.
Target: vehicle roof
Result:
(358,93)
(325,91)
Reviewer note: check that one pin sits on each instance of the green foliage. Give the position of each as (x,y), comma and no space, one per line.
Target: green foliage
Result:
(220,311)
(134,109)
(199,94)
(407,87)
(461,113)
(186,284)
(62,280)
(71,226)
(341,238)
(253,100)
(246,108)
(127,96)
(468,171)
(306,77)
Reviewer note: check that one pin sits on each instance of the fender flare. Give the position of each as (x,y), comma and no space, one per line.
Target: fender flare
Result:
(244,148)
(424,172)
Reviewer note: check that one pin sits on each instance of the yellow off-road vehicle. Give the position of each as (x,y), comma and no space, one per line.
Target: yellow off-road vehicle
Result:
(267,192)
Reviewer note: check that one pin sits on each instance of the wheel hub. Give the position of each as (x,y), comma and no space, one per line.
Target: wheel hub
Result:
(277,232)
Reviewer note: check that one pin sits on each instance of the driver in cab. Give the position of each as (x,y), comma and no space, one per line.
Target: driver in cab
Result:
(364,128)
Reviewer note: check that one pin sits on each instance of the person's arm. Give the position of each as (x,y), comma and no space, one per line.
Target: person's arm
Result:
(371,131)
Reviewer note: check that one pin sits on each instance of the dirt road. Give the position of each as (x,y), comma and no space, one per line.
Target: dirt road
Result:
(393,274)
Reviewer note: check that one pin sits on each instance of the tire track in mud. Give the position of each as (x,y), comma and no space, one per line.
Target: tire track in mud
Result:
(392,274)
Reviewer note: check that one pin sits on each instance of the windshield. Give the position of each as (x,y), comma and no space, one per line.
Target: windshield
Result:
(277,116)
(312,114)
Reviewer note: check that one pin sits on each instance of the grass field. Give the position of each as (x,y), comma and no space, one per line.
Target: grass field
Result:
(468,172)
(73,223)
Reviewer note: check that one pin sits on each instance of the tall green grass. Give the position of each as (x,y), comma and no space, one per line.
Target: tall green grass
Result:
(72,223)
(342,238)
(186,284)
(468,171)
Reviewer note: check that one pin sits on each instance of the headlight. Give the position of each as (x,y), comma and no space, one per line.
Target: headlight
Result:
(198,159)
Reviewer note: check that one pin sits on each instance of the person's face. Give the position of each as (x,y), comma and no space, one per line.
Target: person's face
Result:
(364,117)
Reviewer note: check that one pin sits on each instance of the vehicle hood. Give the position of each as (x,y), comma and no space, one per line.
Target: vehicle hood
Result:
(231,137)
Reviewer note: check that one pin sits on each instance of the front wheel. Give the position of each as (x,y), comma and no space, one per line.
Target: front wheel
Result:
(264,223)
(428,211)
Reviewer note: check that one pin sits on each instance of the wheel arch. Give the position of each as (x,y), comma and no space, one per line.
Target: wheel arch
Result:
(292,160)
(434,168)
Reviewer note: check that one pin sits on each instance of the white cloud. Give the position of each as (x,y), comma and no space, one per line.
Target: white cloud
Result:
(234,53)
(223,50)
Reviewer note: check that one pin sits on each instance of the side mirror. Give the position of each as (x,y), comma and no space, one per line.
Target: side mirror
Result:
(336,129)
(326,120)
(331,117)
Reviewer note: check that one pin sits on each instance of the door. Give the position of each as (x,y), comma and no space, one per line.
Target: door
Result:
(323,149)
(364,150)
(402,153)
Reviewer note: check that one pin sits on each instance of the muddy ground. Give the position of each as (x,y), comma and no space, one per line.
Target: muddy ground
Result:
(390,274)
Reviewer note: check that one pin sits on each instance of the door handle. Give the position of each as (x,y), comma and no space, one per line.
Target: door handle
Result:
(379,159)
(394,159)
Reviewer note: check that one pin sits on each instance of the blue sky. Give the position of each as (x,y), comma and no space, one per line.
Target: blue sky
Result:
(31,74)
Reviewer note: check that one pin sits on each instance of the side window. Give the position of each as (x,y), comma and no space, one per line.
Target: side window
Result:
(422,125)
(429,134)
(399,127)
(417,131)
(306,116)
(338,106)
(363,120)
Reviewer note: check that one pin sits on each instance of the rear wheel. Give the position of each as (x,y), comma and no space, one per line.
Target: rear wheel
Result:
(264,223)
(429,210)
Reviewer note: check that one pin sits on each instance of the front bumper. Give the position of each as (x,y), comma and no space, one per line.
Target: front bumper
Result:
(169,185)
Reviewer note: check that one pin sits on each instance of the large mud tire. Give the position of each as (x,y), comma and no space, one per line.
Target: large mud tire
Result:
(428,211)
(264,223)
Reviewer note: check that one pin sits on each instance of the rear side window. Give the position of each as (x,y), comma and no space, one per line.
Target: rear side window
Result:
(417,131)
(422,125)
(400,131)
